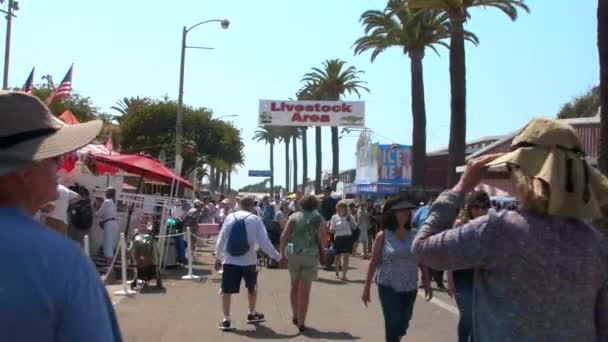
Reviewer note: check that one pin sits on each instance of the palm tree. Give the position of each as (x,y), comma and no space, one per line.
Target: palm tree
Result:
(295,134)
(267,135)
(310,91)
(458,13)
(602,44)
(412,31)
(303,134)
(331,82)
(128,104)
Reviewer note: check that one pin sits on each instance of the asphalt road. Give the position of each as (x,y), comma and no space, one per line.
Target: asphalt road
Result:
(191,310)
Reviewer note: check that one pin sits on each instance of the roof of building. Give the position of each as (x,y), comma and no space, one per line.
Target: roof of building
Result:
(444,150)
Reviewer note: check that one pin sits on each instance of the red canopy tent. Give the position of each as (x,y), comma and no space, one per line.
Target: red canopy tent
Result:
(143,166)
(146,168)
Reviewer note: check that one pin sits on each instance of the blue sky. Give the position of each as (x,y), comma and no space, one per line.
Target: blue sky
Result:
(520,70)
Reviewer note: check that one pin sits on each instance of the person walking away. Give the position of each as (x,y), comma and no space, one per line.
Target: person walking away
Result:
(342,225)
(57,218)
(352,211)
(364,224)
(460,282)
(328,205)
(540,272)
(106,216)
(394,269)
(50,291)
(305,229)
(419,217)
(81,216)
(268,212)
(236,253)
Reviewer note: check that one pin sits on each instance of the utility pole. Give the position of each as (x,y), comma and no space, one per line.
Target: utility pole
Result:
(12,7)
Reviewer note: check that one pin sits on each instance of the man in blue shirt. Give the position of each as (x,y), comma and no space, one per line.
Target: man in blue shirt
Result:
(419,217)
(49,290)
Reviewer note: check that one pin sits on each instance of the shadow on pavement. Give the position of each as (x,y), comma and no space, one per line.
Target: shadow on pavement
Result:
(152,290)
(330,281)
(177,273)
(329,335)
(263,332)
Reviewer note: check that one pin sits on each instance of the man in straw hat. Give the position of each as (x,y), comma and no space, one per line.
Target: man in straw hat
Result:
(49,290)
(540,273)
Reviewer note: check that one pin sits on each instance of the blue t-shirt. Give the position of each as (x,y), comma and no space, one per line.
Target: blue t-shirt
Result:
(420,216)
(49,290)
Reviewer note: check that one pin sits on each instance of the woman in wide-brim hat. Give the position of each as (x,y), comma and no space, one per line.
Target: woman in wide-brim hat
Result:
(541,272)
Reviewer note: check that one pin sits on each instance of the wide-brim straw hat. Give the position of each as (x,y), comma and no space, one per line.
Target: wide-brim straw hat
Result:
(30,133)
(551,151)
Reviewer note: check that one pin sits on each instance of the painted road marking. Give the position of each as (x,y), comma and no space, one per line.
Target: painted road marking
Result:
(447,307)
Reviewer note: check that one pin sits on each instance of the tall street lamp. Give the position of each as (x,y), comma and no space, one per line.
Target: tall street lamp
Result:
(180,98)
(12,7)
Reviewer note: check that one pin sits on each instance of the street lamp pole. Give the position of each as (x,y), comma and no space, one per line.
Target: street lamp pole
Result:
(180,97)
(12,6)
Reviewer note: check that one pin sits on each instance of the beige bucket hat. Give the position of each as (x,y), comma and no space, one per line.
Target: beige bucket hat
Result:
(551,151)
(30,133)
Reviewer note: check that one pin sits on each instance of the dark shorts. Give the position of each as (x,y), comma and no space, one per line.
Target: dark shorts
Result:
(232,275)
(343,244)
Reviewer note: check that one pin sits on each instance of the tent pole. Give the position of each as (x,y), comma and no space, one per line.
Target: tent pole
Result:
(139,185)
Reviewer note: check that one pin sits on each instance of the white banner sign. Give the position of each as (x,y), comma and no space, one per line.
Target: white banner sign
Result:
(312,113)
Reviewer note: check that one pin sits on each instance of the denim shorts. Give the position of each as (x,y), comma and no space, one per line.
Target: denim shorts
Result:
(233,274)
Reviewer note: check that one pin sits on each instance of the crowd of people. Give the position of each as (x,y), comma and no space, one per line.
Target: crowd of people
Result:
(537,271)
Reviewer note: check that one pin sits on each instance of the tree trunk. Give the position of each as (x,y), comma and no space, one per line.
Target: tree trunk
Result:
(319,160)
(218,175)
(602,44)
(304,159)
(294,145)
(230,180)
(211,177)
(287,164)
(223,181)
(458,85)
(272,170)
(419,120)
(335,156)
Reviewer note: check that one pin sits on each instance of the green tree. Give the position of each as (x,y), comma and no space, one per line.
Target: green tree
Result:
(412,31)
(81,106)
(151,128)
(458,13)
(331,82)
(128,104)
(581,106)
(602,45)
(267,135)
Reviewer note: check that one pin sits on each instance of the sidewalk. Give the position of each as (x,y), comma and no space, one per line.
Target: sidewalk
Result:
(191,311)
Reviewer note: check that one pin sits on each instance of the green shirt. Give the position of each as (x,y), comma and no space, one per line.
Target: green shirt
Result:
(304,236)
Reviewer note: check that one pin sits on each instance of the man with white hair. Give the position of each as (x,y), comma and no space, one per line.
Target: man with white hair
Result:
(53,292)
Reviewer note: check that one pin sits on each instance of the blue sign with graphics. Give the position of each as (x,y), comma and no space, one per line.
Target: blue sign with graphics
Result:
(395,164)
(378,189)
(260,173)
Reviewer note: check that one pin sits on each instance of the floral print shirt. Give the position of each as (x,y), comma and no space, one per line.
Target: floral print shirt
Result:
(536,277)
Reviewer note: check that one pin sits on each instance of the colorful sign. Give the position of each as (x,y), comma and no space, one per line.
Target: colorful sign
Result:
(378,189)
(395,164)
(260,173)
(312,113)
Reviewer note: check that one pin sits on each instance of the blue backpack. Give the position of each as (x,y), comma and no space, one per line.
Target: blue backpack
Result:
(238,244)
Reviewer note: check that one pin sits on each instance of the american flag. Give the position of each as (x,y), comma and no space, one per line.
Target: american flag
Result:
(29,83)
(64,89)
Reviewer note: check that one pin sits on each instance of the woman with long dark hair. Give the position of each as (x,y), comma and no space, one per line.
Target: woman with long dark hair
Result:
(395,269)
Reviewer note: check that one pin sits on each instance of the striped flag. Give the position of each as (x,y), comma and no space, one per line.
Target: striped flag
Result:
(29,83)
(64,89)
